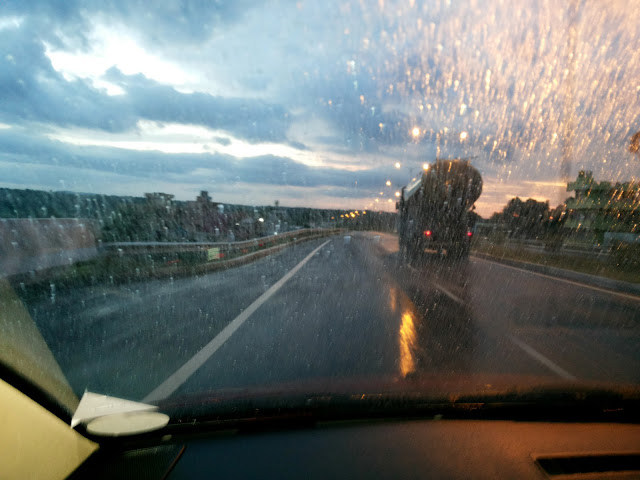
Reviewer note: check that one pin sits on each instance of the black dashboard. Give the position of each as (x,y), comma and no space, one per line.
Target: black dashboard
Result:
(425,448)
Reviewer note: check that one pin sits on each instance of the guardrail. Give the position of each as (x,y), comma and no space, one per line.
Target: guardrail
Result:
(566,246)
(566,249)
(124,262)
(214,250)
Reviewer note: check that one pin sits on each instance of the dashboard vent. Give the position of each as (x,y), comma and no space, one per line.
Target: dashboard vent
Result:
(556,466)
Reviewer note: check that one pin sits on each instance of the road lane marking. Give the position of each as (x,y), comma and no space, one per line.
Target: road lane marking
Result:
(578,284)
(442,289)
(448,293)
(562,373)
(181,375)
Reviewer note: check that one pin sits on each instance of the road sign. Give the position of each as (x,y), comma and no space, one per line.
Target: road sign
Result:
(213,254)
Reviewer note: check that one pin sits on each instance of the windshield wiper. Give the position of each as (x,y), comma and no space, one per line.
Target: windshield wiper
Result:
(576,405)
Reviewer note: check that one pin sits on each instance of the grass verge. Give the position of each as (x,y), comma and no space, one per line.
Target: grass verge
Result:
(583,264)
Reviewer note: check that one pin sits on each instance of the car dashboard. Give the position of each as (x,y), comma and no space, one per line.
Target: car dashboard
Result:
(425,448)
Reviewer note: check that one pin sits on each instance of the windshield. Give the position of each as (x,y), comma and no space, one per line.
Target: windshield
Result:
(200,199)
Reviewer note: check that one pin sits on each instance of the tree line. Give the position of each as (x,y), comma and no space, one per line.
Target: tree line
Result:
(159,217)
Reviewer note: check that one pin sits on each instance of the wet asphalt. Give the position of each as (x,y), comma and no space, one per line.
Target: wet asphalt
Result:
(354,310)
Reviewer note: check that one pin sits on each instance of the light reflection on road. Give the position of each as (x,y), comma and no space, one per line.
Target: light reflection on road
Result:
(407,335)
(407,344)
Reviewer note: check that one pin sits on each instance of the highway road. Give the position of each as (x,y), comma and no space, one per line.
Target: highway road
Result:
(335,310)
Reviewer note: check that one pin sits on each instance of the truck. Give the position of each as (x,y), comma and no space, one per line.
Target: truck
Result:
(434,211)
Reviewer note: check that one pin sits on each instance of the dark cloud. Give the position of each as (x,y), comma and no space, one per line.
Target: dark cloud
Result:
(298,145)
(158,23)
(32,91)
(251,119)
(22,148)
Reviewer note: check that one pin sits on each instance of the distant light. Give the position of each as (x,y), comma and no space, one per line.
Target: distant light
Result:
(381,193)
(388,183)
(377,200)
(469,234)
(397,165)
(428,233)
(261,219)
(426,166)
(415,132)
(397,194)
(463,136)
(389,200)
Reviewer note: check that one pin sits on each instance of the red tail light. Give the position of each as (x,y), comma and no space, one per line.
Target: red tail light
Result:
(428,233)
(469,234)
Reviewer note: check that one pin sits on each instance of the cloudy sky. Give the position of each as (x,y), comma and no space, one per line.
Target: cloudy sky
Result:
(316,103)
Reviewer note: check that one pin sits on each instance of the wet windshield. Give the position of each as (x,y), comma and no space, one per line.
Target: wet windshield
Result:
(199,198)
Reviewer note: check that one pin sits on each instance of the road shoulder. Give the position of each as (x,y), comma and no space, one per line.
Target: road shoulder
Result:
(389,243)
(601,282)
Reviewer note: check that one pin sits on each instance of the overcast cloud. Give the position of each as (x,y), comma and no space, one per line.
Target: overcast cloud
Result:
(313,103)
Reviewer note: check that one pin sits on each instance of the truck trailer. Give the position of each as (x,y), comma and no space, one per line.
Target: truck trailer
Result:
(434,210)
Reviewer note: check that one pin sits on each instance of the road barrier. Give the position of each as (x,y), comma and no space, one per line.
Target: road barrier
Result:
(212,251)
(177,259)
(126,262)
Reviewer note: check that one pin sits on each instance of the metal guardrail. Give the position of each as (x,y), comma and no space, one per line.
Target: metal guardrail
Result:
(225,248)
(565,246)
(567,249)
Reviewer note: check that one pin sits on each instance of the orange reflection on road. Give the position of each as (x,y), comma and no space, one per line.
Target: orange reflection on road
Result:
(407,336)
(407,344)
(393,299)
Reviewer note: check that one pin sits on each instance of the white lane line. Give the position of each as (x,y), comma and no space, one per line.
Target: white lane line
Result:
(448,293)
(181,375)
(442,289)
(562,373)
(584,285)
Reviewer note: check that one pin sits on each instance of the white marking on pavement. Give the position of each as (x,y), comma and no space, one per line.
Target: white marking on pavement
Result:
(448,293)
(172,383)
(442,289)
(603,290)
(542,359)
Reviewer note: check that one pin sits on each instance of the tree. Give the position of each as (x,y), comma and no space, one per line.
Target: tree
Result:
(524,218)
